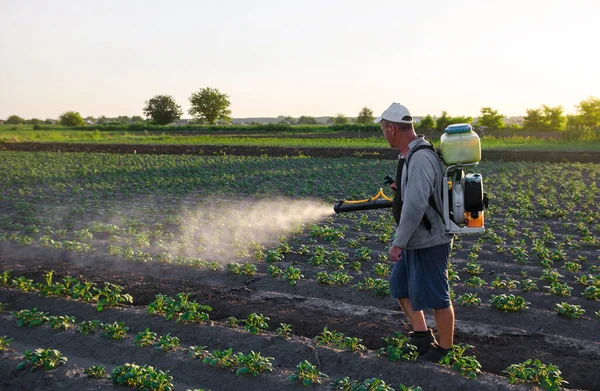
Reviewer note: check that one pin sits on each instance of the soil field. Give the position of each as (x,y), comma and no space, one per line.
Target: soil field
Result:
(67,214)
(490,155)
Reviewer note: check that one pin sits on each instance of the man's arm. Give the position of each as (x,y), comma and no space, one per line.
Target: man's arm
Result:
(421,182)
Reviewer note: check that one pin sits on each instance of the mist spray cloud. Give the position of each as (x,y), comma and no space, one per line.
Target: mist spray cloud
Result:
(220,229)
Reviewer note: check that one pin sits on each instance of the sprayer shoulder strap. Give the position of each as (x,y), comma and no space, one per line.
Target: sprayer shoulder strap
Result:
(431,198)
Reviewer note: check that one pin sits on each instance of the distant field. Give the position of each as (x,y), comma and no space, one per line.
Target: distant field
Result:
(372,141)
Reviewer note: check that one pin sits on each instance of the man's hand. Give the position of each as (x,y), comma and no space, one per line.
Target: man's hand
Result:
(393,186)
(395,254)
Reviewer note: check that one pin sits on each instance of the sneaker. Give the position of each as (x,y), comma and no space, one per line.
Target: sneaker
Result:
(434,354)
(422,340)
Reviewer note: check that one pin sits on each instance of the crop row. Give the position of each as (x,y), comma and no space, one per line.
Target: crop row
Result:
(396,348)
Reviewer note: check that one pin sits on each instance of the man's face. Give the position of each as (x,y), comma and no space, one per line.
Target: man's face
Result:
(386,129)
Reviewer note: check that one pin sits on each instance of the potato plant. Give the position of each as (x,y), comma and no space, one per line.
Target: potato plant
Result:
(397,348)
(467,366)
(255,323)
(547,376)
(4,343)
(143,377)
(571,311)
(308,374)
(509,303)
(42,358)
(95,372)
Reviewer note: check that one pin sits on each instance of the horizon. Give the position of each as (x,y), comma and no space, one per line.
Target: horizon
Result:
(298,59)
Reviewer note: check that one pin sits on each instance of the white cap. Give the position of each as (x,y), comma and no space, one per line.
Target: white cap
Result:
(395,113)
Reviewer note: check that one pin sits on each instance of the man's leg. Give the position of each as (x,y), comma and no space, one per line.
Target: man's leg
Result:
(444,320)
(416,318)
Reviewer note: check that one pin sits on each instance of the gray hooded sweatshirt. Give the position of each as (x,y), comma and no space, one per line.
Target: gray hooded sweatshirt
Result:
(425,173)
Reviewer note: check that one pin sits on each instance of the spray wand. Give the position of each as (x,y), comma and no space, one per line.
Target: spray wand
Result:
(378,201)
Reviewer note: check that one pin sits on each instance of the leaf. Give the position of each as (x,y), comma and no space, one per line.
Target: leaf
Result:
(242,370)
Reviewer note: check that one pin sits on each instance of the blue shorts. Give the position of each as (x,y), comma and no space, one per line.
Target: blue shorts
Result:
(422,276)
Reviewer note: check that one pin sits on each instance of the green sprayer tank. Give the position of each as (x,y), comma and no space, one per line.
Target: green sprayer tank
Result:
(460,145)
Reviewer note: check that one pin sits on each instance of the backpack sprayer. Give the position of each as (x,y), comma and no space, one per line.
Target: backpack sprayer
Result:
(463,197)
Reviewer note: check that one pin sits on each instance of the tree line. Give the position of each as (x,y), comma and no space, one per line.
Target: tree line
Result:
(209,105)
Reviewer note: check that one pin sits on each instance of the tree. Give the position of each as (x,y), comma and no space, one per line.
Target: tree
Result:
(554,117)
(442,122)
(286,120)
(14,120)
(588,112)
(534,119)
(162,109)
(136,118)
(210,104)
(341,119)
(307,120)
(71,118)
(35,121)
(427,122)
(545,118)
(49,121)
(490,118)
(365,116)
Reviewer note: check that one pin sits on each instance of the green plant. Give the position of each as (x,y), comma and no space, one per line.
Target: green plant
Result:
(88,327)
(534,371)
(308,374)
(274,271)
(110,296)
(381,269)
(95,372)
(571,311)
(4,342)
(232,321)
(253,363)
(166,343)
(475,282)
(23,284)
(42,358)
(592,293)
(528,285)
(5,277)
(571,266)
(550,276)
(273,256)
(559,289)
(115,330)
(145,338)
(504,284)
(255,323)
(198,352)
(352,344)
(334,278)
(374,384)
(397,348)
(328,337)
(473,268)
(61,322)
(247,269)
(467,366)
(285,330)
(31,318)
(221,358)
(509,303)
(293,274)
(363,254)
(143,377)
(469,300)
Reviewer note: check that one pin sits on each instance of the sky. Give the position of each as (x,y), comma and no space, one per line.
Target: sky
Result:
(298,57)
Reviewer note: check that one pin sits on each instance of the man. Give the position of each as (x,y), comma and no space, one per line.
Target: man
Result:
(421,247)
